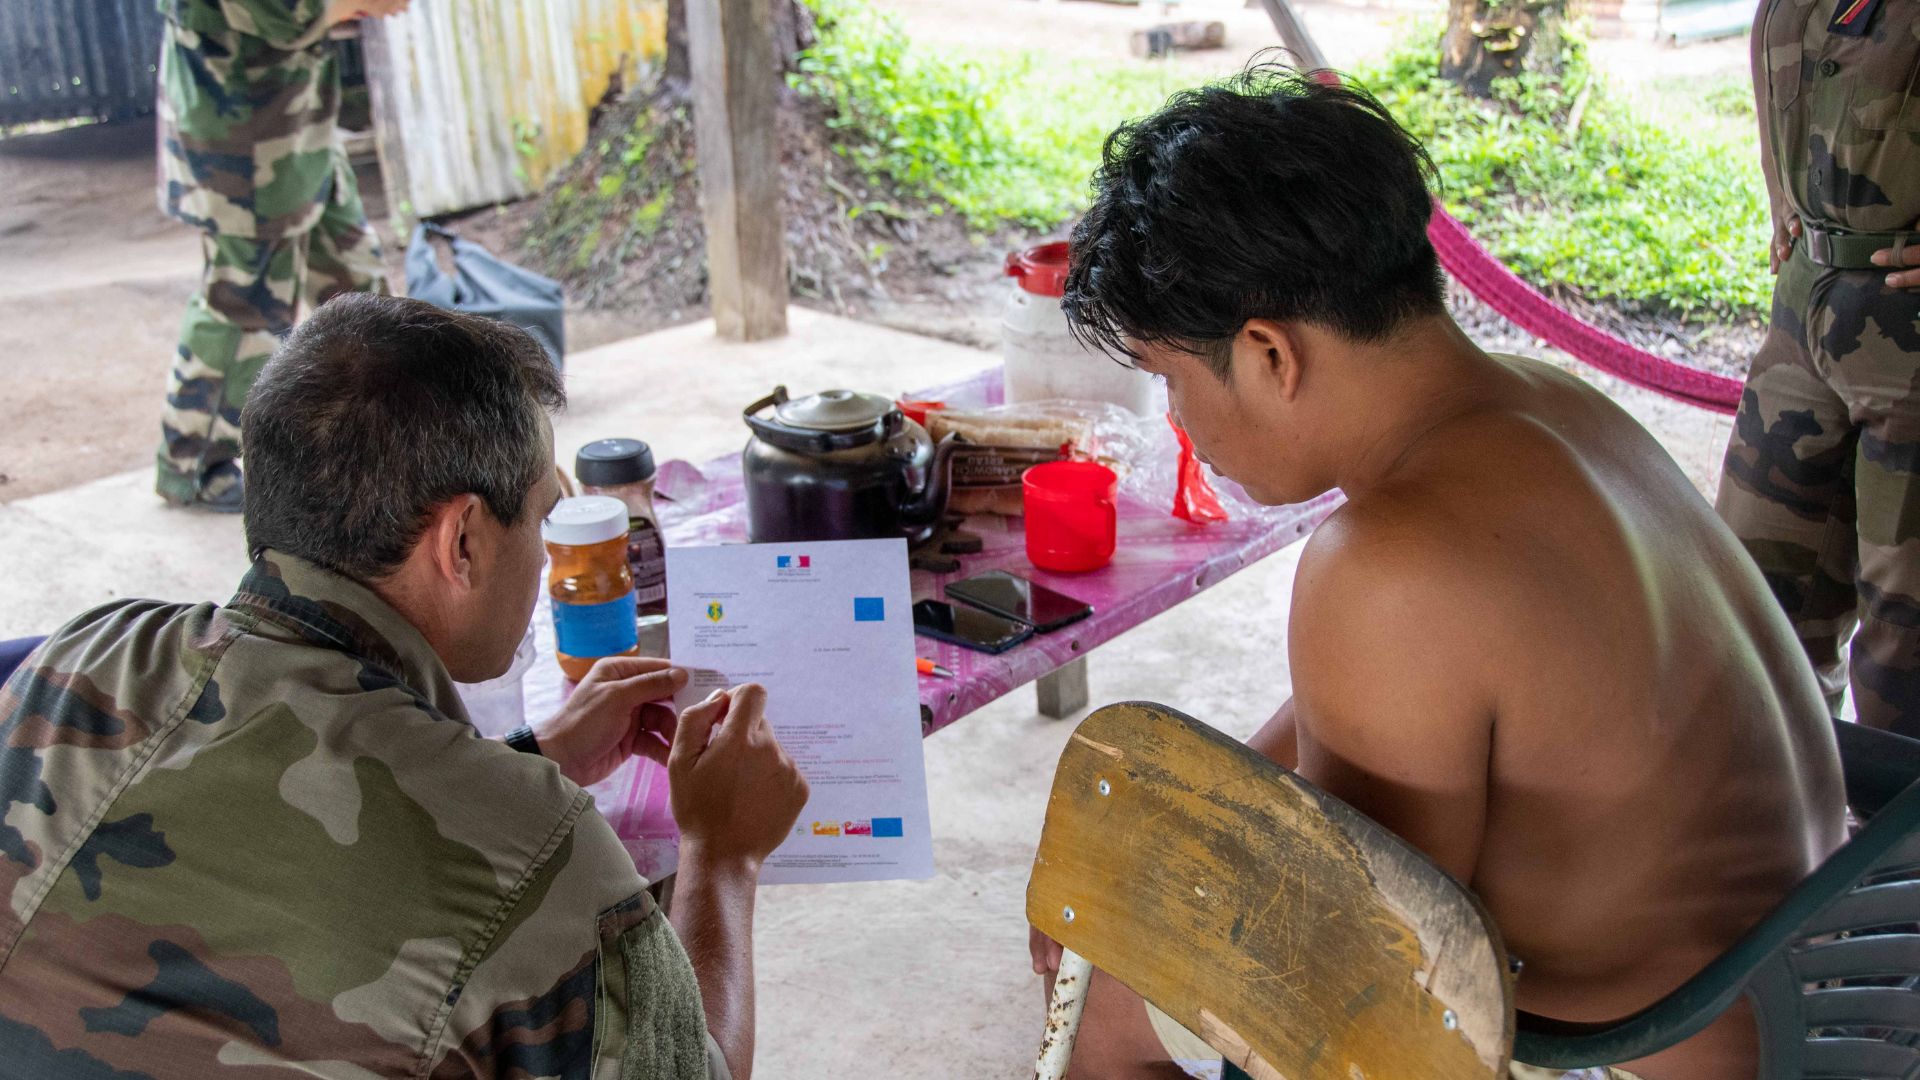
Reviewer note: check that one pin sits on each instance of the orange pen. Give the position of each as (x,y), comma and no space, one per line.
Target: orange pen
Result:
(927,667)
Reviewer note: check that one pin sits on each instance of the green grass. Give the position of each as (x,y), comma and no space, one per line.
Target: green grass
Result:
(999,136)
(1663,213)
(1625,207)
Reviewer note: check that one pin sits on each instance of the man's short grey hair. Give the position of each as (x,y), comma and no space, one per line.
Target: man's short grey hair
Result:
(379,409)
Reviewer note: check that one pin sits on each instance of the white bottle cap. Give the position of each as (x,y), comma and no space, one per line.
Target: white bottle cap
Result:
(585,519)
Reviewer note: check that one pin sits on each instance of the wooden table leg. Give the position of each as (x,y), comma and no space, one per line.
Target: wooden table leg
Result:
(1064,692)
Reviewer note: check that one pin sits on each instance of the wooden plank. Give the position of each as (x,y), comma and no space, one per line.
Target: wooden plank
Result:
(735,83)
(389,130)
(1296,936)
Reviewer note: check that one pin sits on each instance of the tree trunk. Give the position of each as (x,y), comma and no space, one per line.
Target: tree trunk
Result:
(1489,39)
(793,32)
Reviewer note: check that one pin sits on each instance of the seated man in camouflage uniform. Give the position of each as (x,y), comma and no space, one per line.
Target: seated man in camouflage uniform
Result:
(246,839)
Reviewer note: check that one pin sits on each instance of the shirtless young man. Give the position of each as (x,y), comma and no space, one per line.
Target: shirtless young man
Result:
(1525,644)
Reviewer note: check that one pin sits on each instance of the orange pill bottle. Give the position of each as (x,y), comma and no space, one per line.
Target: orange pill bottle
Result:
(589,583)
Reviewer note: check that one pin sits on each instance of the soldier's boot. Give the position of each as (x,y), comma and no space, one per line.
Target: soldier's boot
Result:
(245,305)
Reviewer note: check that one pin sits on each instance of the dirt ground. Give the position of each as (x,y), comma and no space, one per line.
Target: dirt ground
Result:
(93,282)
(93,279)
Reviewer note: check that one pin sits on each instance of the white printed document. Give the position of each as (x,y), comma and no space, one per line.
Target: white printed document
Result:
(827,628)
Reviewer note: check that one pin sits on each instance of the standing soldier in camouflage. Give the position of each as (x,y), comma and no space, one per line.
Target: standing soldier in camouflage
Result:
(249,96)
(1822,478)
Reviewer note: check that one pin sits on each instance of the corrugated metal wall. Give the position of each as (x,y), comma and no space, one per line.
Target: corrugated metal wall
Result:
(62,59)
(488,97)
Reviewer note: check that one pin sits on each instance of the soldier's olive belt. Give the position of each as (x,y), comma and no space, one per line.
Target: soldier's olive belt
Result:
(1843,250)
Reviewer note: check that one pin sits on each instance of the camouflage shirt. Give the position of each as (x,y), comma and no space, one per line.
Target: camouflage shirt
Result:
(249,95)
(1841,113)
(239,839)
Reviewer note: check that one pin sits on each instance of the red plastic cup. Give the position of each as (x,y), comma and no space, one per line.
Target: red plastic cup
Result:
(1071,515)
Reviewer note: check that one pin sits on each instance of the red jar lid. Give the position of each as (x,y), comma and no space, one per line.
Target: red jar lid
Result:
(1041,270)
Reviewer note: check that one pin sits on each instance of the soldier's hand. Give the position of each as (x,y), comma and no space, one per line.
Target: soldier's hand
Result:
(1909,256)
(1784,234)
(736,793)
(613,714)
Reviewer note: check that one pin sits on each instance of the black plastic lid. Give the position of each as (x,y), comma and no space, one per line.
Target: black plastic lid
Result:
(612,462)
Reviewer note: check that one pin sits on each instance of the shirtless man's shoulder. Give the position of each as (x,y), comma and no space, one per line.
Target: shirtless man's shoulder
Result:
(1389,619)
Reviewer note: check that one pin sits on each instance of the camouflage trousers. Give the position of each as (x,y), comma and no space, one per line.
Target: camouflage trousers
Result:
(1822,480)
(250,295)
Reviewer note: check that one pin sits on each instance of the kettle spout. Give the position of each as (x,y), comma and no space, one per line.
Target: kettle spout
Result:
(926,507)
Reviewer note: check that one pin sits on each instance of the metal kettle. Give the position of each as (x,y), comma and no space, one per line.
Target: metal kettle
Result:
(841,465)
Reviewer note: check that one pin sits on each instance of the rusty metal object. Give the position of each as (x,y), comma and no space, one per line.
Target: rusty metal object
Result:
(1063,1013)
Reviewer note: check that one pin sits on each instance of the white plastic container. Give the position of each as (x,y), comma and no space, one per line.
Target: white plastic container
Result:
(1043,361)
(497,706)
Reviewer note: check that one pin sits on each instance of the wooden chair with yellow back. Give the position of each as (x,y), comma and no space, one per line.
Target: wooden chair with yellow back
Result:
(1291,933)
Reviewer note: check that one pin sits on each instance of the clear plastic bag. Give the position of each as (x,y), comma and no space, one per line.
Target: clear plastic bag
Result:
(1145,452)
(1006,440)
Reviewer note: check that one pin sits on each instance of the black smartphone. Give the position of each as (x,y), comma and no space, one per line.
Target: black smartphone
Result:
(1014,597)
(968,627)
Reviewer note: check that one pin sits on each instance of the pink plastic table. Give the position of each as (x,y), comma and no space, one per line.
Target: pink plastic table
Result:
(1160,561)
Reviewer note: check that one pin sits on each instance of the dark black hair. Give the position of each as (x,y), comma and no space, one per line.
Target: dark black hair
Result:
(378,409)
(1269,195)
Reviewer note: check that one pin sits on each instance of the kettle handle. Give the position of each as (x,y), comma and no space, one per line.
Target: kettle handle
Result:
(778,397)
(776,434)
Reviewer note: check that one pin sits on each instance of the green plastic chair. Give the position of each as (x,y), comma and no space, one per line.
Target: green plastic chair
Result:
(1833,973)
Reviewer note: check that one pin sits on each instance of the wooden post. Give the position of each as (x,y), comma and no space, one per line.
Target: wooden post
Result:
(389,132)
(735,87)
(1293,33)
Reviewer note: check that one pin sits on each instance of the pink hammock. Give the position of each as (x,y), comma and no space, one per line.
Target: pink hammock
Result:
(1529,309)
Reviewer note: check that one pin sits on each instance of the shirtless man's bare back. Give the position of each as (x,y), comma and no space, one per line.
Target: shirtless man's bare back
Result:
(1525,644)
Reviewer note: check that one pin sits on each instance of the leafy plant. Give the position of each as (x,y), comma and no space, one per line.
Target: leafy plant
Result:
(617,196)
(526,144)
(1001,137)
(645,220)
(1620,206)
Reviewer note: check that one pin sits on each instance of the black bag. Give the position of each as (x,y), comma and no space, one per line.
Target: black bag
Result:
(485,284)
